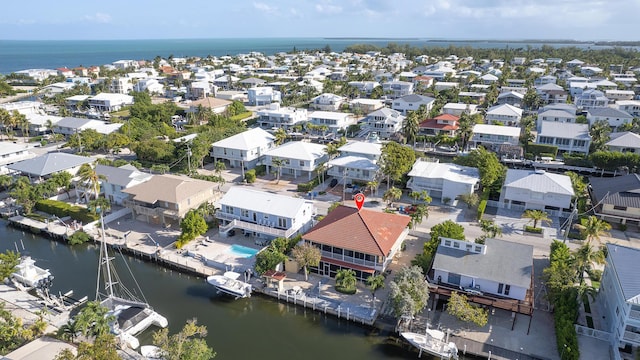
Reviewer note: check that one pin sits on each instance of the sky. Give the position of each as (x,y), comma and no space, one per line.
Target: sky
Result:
(430,19)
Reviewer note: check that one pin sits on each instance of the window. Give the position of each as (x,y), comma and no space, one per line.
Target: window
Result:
(456,245)
(282,222)
(507,288)
(244,212)
(301,162)
(500,288)
(447,242)
(621,208)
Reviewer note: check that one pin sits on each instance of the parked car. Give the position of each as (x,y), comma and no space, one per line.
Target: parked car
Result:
(333,182)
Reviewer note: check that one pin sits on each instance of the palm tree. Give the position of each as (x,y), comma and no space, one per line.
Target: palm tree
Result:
(346,278)
(69,331)
(593,227)
(372,185)
(277,162)
(280,135)
(92,320)
(419,212)
(219,167)
(410,127)
(420,195)
(89,176)
(5,181)
(536,216)
(490,228)
(5,119)
(392,195)
(320,171)
(375,282)
(584,258)
(99,205)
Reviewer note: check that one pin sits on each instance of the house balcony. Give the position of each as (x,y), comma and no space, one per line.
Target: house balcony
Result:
(631,337)
(235,222)
(634,315)
(352,260)
(150,211)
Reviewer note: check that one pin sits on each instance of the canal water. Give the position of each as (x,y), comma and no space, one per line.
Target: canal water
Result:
(254,328)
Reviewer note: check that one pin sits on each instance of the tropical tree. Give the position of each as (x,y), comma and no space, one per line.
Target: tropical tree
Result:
(218,168)
(459,306)
(6,180)
(491,170)
(593,227)
(192,225)
(372,186)
(375,282)
(472,200)
(93,319)
(418,214)
(392,195)
(410,127)
(490,228)
(24,193)
(99,205)
(188,344)
(8,262)
(346,279)
(104,347)
(420,196)
(465,128)
(277,163)
(320,171)
(69,331)
(306,255)
(396,160)
(532,99)
(408,292)
(536,216)
(6,120)
(599,132)
(280,135)
(584,258)
(89,176)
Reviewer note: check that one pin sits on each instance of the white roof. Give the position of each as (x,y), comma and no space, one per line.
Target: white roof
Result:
(539,181)
(262,202)
(451,172)
(362,147)
(298,150)
(246,140)
(113,97)
(496,130)
(505,109)
(41,120)
(328,115)
(354,162)
(460,106)
(626,140)
(7,147)
(568,130)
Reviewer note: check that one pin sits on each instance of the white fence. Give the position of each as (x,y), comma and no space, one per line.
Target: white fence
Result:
(596,334)
(522,208)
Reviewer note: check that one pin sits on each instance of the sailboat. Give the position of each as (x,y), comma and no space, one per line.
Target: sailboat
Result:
(132,315)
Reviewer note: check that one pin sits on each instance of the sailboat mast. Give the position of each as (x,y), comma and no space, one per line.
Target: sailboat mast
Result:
(104,260)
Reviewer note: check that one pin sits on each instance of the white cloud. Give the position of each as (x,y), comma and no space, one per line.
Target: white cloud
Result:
(327,7)
(101,18)
(265,8)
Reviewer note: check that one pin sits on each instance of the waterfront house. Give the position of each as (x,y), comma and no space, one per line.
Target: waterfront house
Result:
(47,164)
(568,137)
(327,102)
(555,115)
(365,106)
(616,198)
(364,241)
(493,136)
(281,117)
(458,109)
(443,181)
(115,179)
(298,158)
(504,114)
(13,152)
(258,96)
(618,297)
(614,117)
(243,150)
(481,267)
(445,124)
(536,189)
(334,121)
(397,89)
(385,122)
(108,102)
(263,214)
(624,142)
(166,199)
(412,102)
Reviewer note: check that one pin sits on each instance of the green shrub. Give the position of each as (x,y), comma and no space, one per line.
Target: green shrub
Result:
(346,290)
(595,274)
(241,116)
(250,176)
(79,237)
(540,149)
(482,206)
(531,229)
(623,227)
(308,186)
(577,235)
(62,209)
(261,170)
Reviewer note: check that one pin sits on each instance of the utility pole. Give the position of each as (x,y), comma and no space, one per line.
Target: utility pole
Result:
(189,157)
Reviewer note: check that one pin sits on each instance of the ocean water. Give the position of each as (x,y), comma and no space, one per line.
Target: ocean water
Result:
(19,55)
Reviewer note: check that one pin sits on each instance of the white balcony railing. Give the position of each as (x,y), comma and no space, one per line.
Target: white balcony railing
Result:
(235,222)
(352,260)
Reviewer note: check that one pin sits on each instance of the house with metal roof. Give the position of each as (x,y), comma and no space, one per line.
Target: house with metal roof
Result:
(166,199)
(442,180)
(494,136)
(412,102)
(298,158)
(11,153)
(504,114)
(481,267)
(264,214)
(327,102)
(47,164)
(618,297)
(555,115)
(617,199)
(364,241)
(334,121)
(281,117)
(385,122)
(536,189)
(568,137)
(358,162)
(614,117)
(116,179)
(245,149)
(624,142)
(72,125)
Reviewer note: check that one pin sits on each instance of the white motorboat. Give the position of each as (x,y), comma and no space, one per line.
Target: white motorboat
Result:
(433,342)
(229,284)
(29,276)
(151,352)
(133,315)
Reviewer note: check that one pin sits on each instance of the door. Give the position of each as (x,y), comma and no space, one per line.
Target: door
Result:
(326,271)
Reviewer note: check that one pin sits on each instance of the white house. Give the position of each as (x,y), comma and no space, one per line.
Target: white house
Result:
(505,114)
(366,149)
(624,142)
(110,102)
(511,98)
(298,158)
(327,102)
(11,153)
(629,106)
(536,189)
(348,169)
(245,149)
(150,85)
(555,116)
(458,109)
(618,298)
(483,267)
(263,214)
(412,102)
(385,122)
(365,106)
(443,181)
(262,96)
(568,137)
(364,87)
(550,93)
(281,117)
(492,136)
(335,121)
(118,178)
(615,118)
(47,164)
(120,85)
(200,90)
(590,99)
(397,89)
(72,125)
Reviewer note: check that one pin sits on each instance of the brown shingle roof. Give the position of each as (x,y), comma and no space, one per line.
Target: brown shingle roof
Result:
(170,188)
(366,231)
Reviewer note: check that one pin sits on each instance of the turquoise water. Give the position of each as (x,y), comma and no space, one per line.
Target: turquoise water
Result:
(20,54)
(242,251)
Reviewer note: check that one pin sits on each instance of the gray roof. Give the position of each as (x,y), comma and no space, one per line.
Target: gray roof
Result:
(49,163)
(625,266)
(504,262)
(564,130)
(618,191)
(610,112)
(625,139)
(263,202)
(415,98)
(539,181)
(122,176)
(72,122)
(252,81)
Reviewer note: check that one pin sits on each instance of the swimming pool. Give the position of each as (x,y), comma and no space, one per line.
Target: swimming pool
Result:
(241,251)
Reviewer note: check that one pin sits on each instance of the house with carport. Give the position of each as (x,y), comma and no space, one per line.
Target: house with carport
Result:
(536,190)
(443,181)
(569,138)
(45,165)
(298,158)
(364,241)
(115,179)
(244,150)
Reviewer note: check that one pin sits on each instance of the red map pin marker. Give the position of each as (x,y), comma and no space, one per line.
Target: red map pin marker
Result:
(359,199)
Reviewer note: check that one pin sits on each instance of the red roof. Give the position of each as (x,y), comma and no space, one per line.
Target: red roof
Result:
(433,124)
(423,78)
(365,231)
(447,117)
